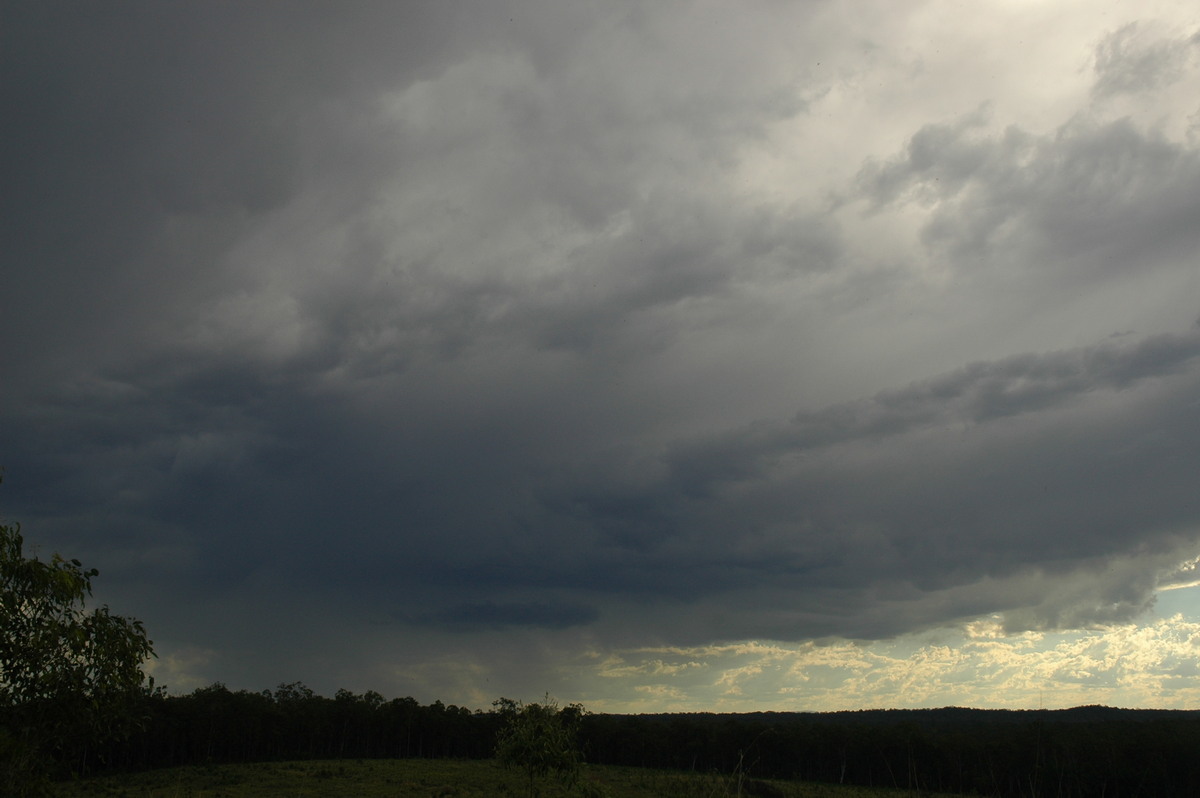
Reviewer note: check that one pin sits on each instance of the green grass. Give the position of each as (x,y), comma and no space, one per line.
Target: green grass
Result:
(425,778)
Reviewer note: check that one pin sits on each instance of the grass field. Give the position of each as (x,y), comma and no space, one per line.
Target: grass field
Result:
(424,778)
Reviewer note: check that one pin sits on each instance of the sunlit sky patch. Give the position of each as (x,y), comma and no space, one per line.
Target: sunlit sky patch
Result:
(691,355)
(1148,664)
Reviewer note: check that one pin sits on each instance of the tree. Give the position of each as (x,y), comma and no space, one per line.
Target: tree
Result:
(539,739)
(71,678)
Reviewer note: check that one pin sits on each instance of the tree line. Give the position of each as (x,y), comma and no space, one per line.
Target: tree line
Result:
(217,725)
(1085,751)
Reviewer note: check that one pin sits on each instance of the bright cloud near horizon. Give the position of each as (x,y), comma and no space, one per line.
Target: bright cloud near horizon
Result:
(659,356)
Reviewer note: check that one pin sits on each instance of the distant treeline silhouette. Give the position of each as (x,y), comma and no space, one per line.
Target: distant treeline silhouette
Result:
(1079,752)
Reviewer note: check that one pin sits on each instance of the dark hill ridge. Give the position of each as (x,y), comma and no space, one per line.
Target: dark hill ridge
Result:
(952,716)
(1087,750)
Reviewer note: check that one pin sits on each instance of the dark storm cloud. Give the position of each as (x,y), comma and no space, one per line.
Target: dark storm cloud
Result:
(928,489)
(438,322)
(489,615)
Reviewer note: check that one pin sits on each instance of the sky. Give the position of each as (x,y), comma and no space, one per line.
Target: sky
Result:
(674,356)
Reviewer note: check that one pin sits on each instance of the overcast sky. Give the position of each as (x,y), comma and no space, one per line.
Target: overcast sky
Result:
(673,355)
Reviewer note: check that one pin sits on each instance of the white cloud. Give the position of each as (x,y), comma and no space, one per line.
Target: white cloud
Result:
(1133,665)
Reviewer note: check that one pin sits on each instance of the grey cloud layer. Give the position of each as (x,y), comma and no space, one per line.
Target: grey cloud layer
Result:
(974,395)
(432,324)
(1134,59)
(1094,198)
